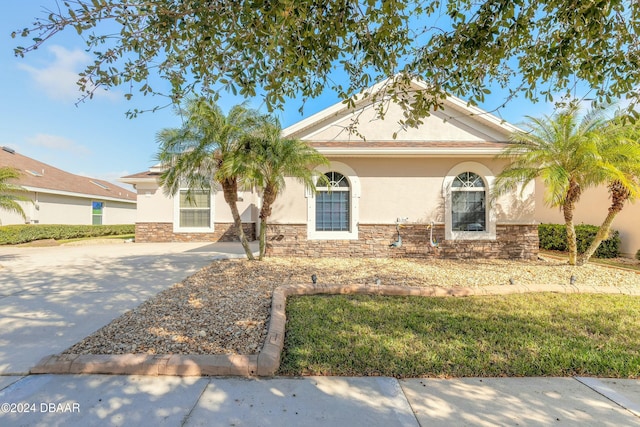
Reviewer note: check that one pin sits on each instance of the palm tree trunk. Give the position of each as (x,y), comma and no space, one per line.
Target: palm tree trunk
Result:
(569,205)
(263,239)
(568,209)
(230,190)
(619,195)
(602,234)
(268,198)
(571,239)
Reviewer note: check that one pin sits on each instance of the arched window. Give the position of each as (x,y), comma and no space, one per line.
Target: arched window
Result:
(468,203)
(333,211)
(469,212)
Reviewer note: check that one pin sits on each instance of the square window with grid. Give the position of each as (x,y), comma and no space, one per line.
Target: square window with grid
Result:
(195,212)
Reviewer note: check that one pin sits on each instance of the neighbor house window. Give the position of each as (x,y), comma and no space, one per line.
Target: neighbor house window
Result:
(96,212)
(468,203)
(332,202)
(195,209)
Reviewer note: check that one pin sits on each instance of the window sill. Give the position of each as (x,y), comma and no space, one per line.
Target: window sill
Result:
(193,229)
(470,235)
(332,235)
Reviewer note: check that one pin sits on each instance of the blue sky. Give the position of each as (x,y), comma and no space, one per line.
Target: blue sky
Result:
(39,117)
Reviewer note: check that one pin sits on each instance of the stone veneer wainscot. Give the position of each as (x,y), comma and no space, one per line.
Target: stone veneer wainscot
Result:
(147,232)
(512,242)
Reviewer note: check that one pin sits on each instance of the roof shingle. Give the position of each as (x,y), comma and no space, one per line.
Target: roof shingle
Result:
(46,177)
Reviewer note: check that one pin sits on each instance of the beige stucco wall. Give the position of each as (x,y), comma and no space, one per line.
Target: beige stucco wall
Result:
(447,125)
(155,206)
(403,187)
(118,213)
(592,209)
(10,218)
(59,209)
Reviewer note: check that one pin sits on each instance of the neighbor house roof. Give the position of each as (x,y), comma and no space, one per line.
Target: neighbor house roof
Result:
(44,178)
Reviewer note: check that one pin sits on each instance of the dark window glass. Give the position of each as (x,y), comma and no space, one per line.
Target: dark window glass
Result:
(332,203)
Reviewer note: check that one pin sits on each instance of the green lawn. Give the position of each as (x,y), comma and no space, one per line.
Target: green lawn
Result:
(117,237)
(518,335)
(627,263)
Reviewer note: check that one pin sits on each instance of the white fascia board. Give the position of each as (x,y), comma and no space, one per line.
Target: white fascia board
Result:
(315,118)
(481,115)
(134,181)
(409,152)
(158,167)
(79,195)
(333,110)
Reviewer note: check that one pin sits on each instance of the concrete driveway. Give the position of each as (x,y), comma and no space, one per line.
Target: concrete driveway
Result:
(52,297)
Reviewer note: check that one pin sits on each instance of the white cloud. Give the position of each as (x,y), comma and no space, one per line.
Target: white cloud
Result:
(59,78)
(59,143)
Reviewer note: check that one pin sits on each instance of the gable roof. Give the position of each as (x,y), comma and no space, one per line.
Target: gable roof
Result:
(151,175)
(457,129)
(44,178)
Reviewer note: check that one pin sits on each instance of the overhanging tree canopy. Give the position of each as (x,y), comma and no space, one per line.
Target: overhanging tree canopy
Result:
(293,48)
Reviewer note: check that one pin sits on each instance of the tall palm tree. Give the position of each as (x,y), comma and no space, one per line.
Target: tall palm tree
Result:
(562,150)
(204,151)
(9,193)
(271,158)
(620,165)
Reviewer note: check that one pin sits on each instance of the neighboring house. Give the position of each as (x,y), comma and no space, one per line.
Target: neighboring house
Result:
(59,197)
(439,174)
(592,209)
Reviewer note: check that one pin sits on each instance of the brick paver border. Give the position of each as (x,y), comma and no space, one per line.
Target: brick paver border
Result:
(267,361)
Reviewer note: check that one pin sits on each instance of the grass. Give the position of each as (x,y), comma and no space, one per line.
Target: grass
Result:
(627,263)
(518,335)
(116,237)
(617,264)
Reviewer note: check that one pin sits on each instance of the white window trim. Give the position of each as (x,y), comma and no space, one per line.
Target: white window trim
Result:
(176,216)
(354,188)
(487,176)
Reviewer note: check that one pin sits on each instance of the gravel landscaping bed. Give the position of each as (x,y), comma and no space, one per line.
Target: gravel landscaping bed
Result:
(224,307)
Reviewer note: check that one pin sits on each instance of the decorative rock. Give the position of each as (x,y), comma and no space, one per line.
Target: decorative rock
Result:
(235,297)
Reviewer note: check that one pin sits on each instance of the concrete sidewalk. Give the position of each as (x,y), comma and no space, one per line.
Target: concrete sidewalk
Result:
(101,400)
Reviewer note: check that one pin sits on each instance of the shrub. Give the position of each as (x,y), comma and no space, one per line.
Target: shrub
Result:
(15,234)
(553,237)
(638,255)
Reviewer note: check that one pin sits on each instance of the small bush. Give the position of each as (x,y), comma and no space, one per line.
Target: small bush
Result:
(553,237)
(638,255)
(15,234)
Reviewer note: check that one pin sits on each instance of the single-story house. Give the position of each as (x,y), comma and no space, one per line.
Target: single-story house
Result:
(410,192)
(59,197)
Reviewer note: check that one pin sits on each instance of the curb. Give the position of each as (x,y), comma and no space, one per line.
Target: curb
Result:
(267,361)
(143,364)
